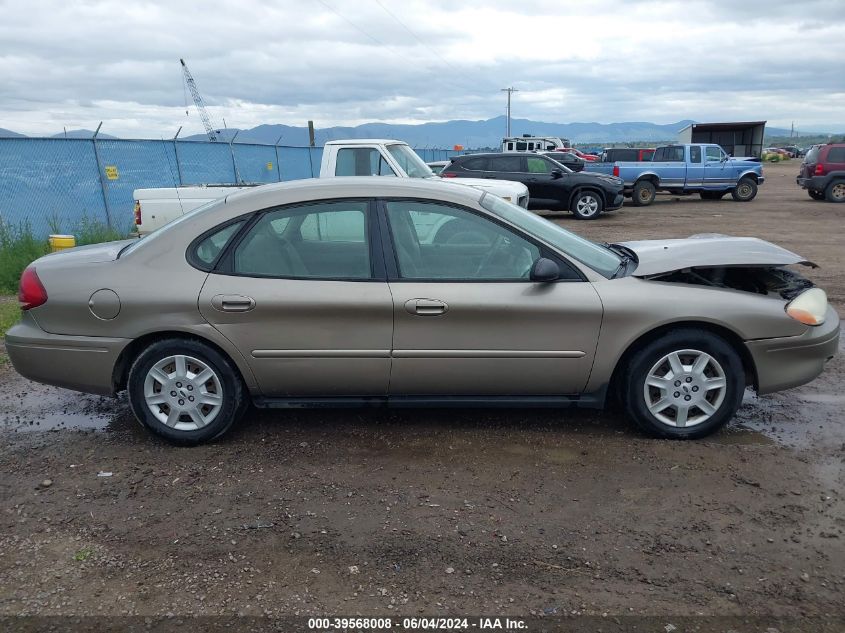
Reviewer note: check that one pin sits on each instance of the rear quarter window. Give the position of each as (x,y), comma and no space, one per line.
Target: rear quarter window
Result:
(475,164)
(836,155)
(207,251)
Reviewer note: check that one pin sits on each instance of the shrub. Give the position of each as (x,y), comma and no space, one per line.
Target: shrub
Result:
(18,247)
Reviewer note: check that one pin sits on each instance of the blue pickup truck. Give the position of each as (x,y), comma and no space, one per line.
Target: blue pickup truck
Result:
(700,168)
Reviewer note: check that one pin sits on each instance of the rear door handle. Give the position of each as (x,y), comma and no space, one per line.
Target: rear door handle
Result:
(232,303)
(426,307)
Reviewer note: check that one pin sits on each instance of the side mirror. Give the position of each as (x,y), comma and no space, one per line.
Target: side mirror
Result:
(544,269)
(557,173)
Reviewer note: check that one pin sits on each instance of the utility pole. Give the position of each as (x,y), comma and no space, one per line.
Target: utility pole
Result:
(509,91)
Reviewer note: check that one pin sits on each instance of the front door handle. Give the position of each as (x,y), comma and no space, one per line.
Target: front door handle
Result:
(426,307)
(233,303)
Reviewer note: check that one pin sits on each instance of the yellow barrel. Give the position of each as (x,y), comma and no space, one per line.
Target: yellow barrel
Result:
(61,242)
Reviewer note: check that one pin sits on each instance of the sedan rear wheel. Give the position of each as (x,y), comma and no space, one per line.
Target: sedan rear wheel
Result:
(185,391)
(685,385)
(586,206)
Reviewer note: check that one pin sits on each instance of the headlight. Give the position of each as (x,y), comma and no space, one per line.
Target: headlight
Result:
(809,307)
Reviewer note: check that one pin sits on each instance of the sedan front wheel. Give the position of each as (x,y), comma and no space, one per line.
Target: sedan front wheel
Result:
(185,391)
(685,385)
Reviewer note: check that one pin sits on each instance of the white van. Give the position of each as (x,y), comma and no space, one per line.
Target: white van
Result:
(528,143)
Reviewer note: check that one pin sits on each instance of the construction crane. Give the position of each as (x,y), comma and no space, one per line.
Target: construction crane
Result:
(192,86)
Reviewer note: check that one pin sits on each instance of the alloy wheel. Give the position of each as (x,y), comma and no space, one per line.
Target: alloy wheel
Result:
(685,388)
(588,206)
(838,191)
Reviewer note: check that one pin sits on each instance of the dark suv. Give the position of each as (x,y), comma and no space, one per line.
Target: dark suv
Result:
(567,159)
(550,184)
(823,172)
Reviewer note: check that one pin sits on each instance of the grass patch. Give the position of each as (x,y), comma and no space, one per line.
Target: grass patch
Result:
(84,554)
(95,232)
(19,247)
(10,314)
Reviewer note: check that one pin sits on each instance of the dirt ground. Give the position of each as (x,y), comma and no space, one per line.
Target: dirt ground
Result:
(444,512)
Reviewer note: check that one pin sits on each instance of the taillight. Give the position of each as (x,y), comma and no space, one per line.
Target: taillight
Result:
(819,170)
(31,293)
(447,175)
(616,170)
(137,213)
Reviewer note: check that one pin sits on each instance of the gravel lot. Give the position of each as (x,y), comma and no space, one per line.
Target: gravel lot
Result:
(444,512)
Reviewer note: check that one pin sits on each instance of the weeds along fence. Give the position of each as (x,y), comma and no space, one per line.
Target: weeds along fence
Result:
(50,185)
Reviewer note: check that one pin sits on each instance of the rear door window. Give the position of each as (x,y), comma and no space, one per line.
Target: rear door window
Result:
(506,163)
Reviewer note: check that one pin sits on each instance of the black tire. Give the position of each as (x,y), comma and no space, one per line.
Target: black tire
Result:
(586,205)
(745,190)
(234,400)
(712,195)
(816,195)
(835,191)
(642,362)
(644,193)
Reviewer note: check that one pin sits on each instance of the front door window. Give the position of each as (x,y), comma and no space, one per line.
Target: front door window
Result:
(439,242)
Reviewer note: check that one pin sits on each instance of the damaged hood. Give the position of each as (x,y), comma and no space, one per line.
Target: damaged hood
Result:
(656,257)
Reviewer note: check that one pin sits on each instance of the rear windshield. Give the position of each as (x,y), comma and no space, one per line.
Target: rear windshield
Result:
(812,154)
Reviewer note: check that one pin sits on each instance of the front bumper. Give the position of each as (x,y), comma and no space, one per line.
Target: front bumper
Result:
(617,202)
(81,363)
(783,363)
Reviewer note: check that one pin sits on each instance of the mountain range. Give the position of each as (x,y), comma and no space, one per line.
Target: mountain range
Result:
(445,134)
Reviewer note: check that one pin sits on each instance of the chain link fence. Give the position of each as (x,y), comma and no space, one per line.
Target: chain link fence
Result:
(52,185)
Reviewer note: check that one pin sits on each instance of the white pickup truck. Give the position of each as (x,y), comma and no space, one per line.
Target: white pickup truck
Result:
(357,157)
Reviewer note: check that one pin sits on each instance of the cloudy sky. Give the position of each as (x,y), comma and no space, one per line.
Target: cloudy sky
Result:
(343,62)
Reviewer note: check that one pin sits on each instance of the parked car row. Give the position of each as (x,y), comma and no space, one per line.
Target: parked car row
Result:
(550,184)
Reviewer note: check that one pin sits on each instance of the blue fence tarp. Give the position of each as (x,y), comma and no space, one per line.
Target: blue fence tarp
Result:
(51,184)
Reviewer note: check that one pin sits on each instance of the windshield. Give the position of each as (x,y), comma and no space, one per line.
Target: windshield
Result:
(410,162)
(162,230)
(603,260)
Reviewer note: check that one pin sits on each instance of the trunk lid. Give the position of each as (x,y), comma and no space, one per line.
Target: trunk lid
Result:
(655,257)
(94,253)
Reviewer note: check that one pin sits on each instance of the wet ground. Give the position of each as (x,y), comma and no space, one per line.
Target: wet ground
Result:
(427,511)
